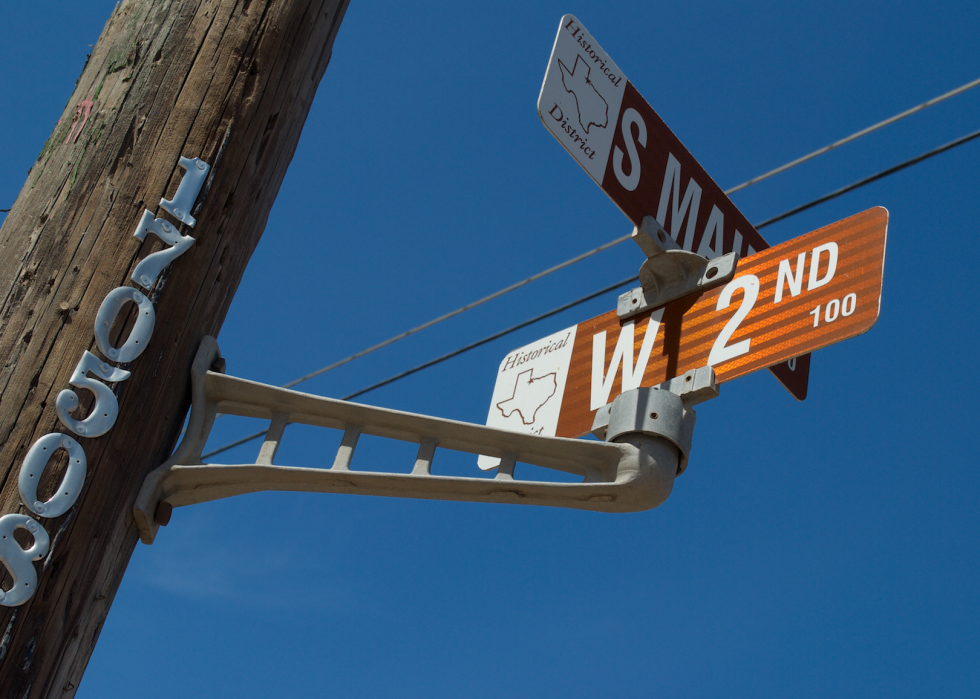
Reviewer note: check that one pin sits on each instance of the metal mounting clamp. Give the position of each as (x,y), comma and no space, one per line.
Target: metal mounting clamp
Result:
(669,272)
(661,411)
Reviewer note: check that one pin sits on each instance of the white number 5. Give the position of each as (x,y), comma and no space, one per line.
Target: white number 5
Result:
(721,351)
(106,407)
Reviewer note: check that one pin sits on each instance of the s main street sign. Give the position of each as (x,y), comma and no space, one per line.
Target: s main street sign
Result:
(613,133)
(807,293)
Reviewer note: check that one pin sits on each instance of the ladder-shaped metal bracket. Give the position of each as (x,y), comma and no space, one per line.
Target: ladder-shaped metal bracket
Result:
(669,272)
(635,475)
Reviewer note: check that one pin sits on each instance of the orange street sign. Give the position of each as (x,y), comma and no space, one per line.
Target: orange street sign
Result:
(797,297)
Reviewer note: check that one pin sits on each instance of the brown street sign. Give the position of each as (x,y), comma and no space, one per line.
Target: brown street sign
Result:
(792,299)
(615,135)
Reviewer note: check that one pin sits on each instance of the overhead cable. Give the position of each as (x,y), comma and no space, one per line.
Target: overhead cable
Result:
(617,241)
(868,180)
(855,136)
(589,297)
(450,355)
(449,315)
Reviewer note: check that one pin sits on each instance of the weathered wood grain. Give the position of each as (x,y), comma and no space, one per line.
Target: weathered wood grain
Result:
(228,81)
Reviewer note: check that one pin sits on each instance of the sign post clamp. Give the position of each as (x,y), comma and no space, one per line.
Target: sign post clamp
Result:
(670,272)
(665,411)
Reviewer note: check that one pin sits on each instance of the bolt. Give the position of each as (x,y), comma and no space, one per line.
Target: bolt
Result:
(113,353)
(138,297)
(80,429)
(178,213)
(67,443)
(105,368)
(201,165)
(38,507)
(167,226)
(145,280)
(32,525)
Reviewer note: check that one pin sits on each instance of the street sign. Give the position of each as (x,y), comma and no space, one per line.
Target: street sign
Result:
(804,294)
(613,133)
(529,388)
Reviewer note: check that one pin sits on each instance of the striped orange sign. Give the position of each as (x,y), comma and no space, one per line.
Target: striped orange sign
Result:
(785,301)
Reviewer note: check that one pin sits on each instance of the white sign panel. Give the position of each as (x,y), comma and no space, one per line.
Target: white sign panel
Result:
(581,97)
(529,388)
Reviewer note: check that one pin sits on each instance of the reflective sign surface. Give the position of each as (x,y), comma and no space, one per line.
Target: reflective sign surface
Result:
(807,293)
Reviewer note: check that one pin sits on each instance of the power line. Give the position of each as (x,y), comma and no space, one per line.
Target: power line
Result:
(589,297)
(467,307)
(868,180)
(617,241)
(447,316)
(450,355)
(856,135)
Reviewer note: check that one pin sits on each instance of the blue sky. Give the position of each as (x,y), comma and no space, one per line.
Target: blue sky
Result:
(811,549)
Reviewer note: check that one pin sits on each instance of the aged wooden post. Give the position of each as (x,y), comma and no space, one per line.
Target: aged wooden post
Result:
(226,81)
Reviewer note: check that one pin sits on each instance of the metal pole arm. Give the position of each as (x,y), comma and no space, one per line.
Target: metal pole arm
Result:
(616,477)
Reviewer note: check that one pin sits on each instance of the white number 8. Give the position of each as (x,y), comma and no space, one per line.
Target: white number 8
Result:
(19,561)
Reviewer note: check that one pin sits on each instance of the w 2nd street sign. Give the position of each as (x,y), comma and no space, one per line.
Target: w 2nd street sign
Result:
(615,135)
(797,297)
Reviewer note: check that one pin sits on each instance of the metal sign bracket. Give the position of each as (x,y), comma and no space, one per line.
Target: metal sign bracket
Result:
(669,272)
(633,471)
(660,411)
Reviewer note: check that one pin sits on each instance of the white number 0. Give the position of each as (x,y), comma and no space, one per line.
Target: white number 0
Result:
(721,351)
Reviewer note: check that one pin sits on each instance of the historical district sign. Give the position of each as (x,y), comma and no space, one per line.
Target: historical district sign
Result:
(807,293)
(605,124)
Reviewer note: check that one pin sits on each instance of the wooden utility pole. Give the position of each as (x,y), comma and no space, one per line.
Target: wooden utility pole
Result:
(226,81)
